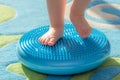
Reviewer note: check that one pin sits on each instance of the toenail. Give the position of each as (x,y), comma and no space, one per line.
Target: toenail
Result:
(50,44)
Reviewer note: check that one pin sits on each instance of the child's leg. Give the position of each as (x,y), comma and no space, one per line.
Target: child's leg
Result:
(77,17)
(56,9)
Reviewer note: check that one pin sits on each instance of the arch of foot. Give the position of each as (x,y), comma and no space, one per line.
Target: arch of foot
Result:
(6,13)
(104,15)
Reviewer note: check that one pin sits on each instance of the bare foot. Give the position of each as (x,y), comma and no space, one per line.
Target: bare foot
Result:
(52,36)
(81,25)
(84,32)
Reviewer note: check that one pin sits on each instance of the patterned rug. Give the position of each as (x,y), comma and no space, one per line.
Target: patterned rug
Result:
(20,16)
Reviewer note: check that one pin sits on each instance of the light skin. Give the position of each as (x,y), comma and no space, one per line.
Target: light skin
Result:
(56,10)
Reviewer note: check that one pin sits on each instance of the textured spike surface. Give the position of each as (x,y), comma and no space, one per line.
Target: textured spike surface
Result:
(70,55)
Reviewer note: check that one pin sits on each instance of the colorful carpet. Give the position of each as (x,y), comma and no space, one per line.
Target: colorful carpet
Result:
(20,16)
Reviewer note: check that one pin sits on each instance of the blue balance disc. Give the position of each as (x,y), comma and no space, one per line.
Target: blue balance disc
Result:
(70,55)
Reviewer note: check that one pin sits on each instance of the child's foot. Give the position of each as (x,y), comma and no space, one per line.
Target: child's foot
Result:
(84,31)
(52,36)
(81,25)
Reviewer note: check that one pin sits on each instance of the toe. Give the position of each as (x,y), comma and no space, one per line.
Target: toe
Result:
(42,39)
(46,41)
(52,41)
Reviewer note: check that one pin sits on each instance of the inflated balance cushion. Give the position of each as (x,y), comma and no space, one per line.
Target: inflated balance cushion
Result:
(70,55)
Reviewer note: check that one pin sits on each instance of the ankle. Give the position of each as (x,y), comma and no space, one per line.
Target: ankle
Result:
(56,29)
(79,20)
(75,17)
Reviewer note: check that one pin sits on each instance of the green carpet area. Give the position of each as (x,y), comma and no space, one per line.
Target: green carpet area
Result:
(109,62)
(4,39)
(117,77)
(6,13)
(21,69)
(31,75)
